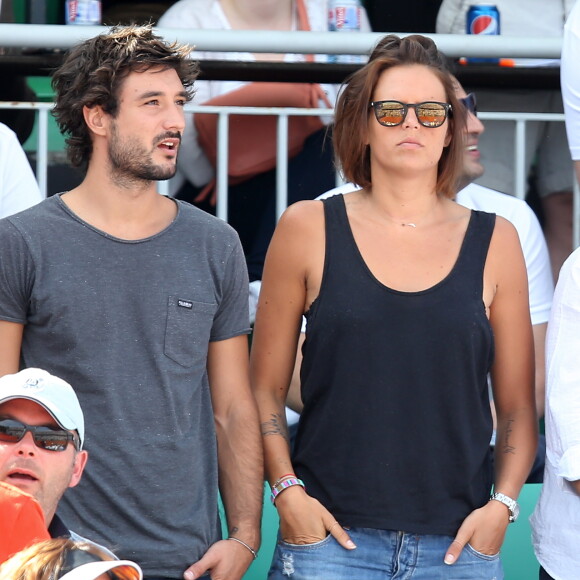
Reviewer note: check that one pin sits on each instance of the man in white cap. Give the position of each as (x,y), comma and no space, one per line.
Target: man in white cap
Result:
(41,439)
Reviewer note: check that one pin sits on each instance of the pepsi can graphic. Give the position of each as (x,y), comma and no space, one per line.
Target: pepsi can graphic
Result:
(483,19)
(83,12)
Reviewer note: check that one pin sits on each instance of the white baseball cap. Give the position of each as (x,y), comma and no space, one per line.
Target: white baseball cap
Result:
(52,393)
(122,570)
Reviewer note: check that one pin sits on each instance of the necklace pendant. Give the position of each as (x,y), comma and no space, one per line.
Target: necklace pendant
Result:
(410,224)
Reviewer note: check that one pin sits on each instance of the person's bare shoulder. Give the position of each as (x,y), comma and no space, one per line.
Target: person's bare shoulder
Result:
(303,218)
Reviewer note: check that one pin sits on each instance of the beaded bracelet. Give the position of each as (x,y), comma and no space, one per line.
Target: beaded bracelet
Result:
(254,554)
(278,488)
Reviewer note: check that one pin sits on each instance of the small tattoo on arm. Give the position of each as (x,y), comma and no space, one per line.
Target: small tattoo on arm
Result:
(507,448)
(275,426)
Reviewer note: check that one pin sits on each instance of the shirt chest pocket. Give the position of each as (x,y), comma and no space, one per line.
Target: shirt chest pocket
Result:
(188,330)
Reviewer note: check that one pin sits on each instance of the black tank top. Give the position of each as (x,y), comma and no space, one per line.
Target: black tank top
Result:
(396,424)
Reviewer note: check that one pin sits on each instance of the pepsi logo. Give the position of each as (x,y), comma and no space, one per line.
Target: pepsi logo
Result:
(484,24)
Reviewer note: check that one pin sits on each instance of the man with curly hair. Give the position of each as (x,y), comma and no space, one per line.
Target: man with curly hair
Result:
(141,302)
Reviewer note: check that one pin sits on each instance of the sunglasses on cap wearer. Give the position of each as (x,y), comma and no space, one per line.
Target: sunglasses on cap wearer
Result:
(470,103)
(429,114)
(45,437)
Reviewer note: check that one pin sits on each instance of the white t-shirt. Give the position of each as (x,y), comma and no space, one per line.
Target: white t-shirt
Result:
(570,79)
(521,215)
(556,518)
(18,187)
(208,15)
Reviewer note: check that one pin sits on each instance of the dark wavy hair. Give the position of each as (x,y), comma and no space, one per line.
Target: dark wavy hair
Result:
(94,70)
(352,109)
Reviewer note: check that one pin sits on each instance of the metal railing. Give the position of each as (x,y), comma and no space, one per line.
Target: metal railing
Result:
(51,36)
(519,119)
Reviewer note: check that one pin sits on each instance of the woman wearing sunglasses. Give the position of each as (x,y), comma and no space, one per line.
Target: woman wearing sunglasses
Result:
(410,300)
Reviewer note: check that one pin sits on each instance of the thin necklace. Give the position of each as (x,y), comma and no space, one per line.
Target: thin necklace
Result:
(408,224)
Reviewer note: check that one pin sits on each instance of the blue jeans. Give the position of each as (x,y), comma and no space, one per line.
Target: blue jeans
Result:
(381,555)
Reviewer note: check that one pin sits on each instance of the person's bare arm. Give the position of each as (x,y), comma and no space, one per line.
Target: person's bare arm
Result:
(294,398)
(295,258)
(11,342)
(240,459)
(513,388)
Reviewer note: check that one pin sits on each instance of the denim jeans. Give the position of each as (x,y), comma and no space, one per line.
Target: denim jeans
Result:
(381,555)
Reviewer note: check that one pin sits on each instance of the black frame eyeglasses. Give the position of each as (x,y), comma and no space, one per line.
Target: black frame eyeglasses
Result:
(430,114)
(45,437)
(470,103)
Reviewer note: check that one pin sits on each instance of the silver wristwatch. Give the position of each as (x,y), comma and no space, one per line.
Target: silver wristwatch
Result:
(512,505)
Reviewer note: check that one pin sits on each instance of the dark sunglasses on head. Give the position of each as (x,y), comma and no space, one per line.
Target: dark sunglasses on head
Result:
(429,114)
(470,103)
(45,437)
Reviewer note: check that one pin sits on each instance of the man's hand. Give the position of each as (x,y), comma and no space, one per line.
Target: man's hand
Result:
(483,529)
(225,560)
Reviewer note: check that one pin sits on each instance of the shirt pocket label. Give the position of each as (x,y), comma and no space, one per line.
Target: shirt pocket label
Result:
(188,330)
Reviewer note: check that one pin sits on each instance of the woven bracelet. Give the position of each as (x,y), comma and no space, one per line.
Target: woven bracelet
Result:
(278,488)
(284,477)
(254,554)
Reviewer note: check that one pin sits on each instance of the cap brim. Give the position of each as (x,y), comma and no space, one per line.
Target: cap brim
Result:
(123,569)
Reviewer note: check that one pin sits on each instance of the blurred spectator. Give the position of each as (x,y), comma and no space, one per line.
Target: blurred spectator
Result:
(65,559)
(310,172)
(18,186)
(545,142)
(21,521)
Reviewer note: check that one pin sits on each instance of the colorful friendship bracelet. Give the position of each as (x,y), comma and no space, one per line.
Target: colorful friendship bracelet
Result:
(279,487)
(281,479)
(254,554)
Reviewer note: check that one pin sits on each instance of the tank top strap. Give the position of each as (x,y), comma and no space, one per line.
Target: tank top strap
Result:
(473,254)
(340,244)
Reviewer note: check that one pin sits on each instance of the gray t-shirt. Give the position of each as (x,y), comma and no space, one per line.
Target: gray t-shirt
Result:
(128,323)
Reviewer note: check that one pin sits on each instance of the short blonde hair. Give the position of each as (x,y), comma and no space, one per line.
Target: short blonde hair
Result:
(44,560)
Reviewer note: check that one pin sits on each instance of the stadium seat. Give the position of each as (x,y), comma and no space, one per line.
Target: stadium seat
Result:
(517,554)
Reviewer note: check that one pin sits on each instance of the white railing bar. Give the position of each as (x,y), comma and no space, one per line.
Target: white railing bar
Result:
(42,151)
(282,165)
(222,167)
(50,36)
(520,159)
(517,116)
(292,111)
